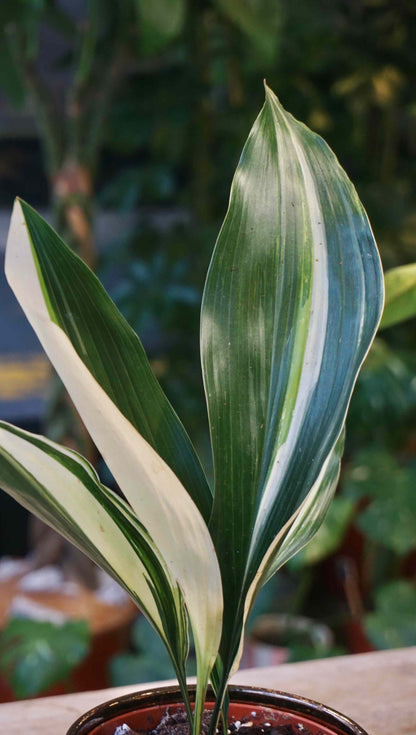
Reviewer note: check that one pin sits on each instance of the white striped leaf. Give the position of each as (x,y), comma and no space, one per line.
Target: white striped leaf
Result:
(292,300)
(92,349)
(77,302)
(60,487)
(294,535)
(306,521)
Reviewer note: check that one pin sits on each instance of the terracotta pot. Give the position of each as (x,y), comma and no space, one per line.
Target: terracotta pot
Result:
(144,710)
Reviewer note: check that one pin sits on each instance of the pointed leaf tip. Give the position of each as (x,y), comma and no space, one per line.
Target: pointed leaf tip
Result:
(272,98)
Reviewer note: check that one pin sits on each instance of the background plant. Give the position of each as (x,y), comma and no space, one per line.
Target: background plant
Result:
(35,655)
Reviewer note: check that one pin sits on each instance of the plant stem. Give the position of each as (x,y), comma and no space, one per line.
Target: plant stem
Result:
(181,676)
(48,118)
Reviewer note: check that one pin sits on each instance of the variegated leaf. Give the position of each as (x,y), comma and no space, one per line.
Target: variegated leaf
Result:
(60,487)
(94,352)
(292,300)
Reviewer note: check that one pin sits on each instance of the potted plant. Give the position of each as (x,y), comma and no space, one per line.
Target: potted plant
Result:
(292,300)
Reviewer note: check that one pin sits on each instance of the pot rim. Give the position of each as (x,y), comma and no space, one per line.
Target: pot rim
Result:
(164,696)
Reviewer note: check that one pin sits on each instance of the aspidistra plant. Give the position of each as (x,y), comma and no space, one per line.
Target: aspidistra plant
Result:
(292,300)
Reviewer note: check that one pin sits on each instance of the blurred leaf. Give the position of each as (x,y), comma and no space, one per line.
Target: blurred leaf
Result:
(400,295)
(11,81)
(146,640)
(390,517)
(34,655)
(123,191)
(156,297)
(134,185)
(150,663)
(385,394)
(393,624)
(392,521)
(160,21)
(260,20)
(351,84)
(130,668)
(370,475)
(330,535)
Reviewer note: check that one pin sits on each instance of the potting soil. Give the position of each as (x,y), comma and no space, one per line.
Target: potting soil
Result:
(176,723)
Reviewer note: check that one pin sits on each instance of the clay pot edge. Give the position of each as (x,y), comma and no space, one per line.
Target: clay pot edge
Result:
(268,698)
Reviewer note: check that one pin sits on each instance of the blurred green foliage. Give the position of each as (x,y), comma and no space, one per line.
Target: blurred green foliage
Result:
(329,536)
(35,655)
(400,301)
(388,487)
(160,96)
(393,625)
(147,660)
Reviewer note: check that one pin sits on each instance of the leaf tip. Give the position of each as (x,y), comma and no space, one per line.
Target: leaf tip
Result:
(18,216)
(271,97)
(17,233)
(16,212)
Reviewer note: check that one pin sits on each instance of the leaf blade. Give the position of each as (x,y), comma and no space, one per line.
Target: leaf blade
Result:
(152,488)
(62,489)
(291,303)
(35,655)
(110,349)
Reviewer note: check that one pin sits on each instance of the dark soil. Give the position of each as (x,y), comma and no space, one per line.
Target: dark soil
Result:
(177,724)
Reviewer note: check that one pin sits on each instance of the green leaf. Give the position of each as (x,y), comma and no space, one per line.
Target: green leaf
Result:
(132,668)
(60,487)
(400,295)
(150,662)
(307,520)
(385,394)
(393,623)
(35,655)
(103,366)
(160,21)
(110,350)
(389,517)
(292,301)
(392,521)
(260,20)
(370,475)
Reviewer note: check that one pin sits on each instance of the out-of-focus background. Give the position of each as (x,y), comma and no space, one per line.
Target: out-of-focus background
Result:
(122,123)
